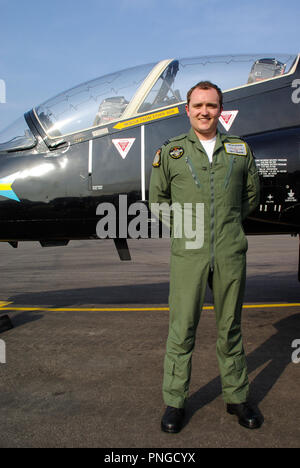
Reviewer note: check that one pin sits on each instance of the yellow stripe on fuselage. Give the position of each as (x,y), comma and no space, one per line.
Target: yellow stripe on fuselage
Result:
(5,187)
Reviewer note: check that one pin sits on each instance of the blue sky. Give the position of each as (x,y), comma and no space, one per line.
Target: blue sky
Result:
(47,47)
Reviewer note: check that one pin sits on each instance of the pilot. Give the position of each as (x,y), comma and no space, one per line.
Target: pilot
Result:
(216,173)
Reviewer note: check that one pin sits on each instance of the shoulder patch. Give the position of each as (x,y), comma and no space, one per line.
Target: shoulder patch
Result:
(234,137)
(239,149)
(178,137)
(157,158)
(176,152)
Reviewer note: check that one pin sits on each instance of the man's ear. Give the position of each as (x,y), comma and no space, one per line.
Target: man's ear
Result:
(187,110)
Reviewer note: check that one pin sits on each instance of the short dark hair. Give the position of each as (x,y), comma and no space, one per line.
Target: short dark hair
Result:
(205,85)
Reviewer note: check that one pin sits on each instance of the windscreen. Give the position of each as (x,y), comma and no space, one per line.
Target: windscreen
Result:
(17,136)
(96,102)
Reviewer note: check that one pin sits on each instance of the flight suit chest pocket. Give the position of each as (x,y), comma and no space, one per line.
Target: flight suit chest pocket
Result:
(232,162)
(233,181)
(193,171)
(180,176)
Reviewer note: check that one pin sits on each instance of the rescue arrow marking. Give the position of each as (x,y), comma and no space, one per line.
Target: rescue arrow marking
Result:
(146,118)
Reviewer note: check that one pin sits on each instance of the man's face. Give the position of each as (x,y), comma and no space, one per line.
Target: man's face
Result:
(204,111)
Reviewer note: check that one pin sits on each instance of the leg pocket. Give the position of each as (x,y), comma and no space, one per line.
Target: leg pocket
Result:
(240,363)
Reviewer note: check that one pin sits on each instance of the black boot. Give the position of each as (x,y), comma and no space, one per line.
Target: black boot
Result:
(172,420)
(247,416)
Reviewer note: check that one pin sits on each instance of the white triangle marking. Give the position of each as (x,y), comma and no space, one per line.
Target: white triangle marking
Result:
(123,145)
(227,118)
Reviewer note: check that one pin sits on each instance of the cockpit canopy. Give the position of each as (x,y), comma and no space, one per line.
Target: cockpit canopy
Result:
(134,91)
(266,68)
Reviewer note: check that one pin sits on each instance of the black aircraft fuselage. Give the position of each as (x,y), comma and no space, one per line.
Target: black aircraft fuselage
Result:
(52,178)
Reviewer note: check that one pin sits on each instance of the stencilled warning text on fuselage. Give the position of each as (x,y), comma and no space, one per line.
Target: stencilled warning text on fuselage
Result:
(271,167)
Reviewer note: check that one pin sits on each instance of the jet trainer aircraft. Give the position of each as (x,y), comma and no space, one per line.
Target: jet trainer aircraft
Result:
(96,141)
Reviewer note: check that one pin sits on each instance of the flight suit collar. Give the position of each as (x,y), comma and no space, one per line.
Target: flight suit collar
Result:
(219,143)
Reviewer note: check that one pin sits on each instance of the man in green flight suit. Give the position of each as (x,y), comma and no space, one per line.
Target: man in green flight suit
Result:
(217,173)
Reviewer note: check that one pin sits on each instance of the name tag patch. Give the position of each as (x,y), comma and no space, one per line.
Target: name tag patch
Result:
(239,149)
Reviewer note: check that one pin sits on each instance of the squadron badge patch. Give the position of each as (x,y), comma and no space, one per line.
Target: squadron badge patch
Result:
(157,159)
(176,152)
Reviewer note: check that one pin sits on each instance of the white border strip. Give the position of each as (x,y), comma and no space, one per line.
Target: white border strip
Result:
(90,157)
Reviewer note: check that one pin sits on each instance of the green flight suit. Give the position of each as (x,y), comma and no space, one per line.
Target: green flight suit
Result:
(228,188)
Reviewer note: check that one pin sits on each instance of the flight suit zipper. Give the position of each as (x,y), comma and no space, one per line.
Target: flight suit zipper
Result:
(212,219)
(193,172)
(212,206)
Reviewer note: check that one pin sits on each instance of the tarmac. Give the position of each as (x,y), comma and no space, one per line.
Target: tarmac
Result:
(83,363)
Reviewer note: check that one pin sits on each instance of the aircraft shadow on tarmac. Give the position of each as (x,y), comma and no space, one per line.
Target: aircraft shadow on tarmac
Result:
(275,287)
(142,294)
(272,287)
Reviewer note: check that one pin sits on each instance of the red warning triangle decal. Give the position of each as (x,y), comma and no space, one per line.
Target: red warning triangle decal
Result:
(227,118)
(123,145)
